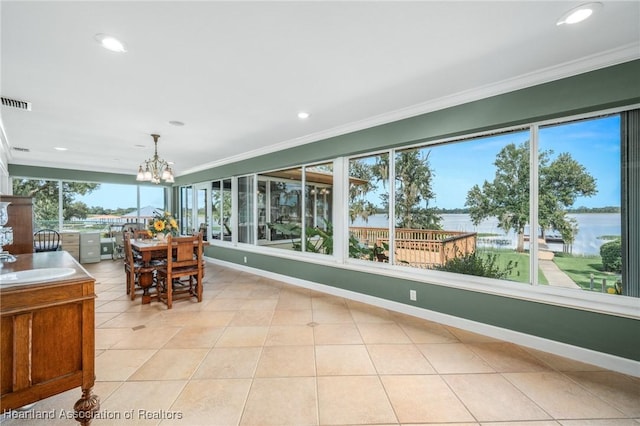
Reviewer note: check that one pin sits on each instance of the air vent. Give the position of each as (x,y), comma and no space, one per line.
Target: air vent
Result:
(14,103)
(15,148)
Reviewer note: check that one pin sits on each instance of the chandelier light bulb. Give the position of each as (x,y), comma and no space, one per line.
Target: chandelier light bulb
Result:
(155,168)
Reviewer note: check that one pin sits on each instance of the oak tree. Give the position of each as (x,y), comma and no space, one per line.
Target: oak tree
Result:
(560,181)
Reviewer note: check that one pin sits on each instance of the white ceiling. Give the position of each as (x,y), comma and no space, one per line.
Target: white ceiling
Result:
(237,73)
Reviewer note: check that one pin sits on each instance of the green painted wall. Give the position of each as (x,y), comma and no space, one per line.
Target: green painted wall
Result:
(80,175)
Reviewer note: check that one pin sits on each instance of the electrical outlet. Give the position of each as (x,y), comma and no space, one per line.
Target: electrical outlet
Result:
(412,295)
(245,259)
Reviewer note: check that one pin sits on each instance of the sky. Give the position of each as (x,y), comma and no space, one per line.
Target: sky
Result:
(112,196)
(593,143)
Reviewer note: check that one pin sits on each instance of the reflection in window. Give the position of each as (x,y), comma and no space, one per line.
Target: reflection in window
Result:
(246,224)
(318,228)
(262,210)
(221,210)
(186,217)
(368,219)
(202,213)
(579,216)
(216,210)
(285,206)
(291,218)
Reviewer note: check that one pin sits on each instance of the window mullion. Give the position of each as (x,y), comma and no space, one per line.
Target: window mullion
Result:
(255,226)
(340,211)
(234,211)
(60,206)
(392,206)
(533,205)
(303,210)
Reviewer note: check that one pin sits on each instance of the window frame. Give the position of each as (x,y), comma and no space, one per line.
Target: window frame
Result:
(60,182)
(621,305)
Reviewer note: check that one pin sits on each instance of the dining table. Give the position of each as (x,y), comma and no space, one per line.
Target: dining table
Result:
(151,252)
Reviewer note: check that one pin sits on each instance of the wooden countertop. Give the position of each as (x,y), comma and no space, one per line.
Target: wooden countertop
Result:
(54,259)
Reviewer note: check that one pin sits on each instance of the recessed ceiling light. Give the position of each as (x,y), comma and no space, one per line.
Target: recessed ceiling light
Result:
(579,14)
(302,115)
(176,123)
(110,43)
(59,148)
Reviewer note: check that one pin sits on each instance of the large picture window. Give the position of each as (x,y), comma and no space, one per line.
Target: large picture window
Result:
(579,217)
(445,216)
(464,206)
(103,208)
(96,207)
(88,206)
(295,208)
(536,205)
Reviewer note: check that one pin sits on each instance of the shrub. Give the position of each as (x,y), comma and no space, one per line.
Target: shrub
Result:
(611,254)
(479,265)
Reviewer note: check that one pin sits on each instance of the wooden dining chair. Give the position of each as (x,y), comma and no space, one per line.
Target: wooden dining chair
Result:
(181,277)
(46,240)
(141,234)
(133,267)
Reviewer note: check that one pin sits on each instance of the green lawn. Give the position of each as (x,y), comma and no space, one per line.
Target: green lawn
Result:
(520,272)
(580,268)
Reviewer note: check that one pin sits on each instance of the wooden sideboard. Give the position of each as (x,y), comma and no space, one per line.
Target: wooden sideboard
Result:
(21,221)
(47,335)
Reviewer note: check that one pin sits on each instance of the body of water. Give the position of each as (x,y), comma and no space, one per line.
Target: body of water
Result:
(591,226)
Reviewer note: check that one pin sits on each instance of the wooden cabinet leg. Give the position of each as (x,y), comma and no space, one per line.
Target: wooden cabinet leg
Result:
(86,407)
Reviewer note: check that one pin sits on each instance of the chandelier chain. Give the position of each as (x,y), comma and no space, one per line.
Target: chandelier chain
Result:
(155,168)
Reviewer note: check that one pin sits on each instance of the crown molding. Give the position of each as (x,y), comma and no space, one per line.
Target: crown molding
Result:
(605,59)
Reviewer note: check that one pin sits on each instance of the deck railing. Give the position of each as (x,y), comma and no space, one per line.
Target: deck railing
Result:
(421,248)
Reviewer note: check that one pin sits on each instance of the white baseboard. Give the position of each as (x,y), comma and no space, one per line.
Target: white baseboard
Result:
(600,359)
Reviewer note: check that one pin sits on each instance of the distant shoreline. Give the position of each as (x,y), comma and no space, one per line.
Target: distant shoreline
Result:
(582,210)
(591,226)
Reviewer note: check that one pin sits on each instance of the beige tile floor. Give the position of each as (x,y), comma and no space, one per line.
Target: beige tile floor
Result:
(261,352)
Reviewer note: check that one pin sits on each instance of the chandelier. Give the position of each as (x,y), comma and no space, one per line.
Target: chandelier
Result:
(155,168)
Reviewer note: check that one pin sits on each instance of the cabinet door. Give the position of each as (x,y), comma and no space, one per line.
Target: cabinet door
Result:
(20,213)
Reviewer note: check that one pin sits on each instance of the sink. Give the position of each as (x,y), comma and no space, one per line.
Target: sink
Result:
(34,275)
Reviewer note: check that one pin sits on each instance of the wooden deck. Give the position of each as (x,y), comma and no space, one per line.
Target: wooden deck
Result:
(419,248)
